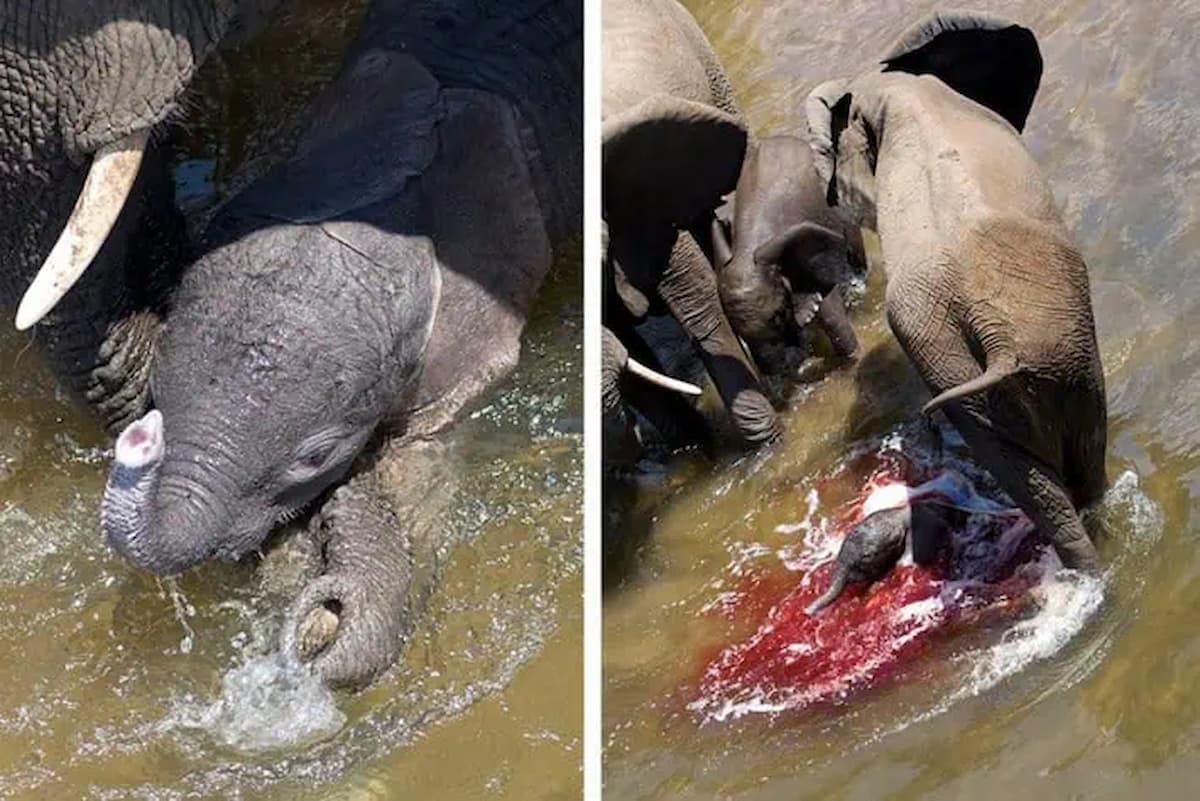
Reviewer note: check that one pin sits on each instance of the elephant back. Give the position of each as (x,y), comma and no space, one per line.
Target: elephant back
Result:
(657,47)
(720,89)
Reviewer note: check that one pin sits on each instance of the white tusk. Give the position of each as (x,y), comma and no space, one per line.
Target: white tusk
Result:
(646,374)
(105,190)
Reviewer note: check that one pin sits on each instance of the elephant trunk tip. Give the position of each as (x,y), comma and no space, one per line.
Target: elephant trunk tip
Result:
(141,444)
(840,577)
(125,514)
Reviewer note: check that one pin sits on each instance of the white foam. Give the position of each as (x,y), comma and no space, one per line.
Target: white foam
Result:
(266,703)
(1068,600)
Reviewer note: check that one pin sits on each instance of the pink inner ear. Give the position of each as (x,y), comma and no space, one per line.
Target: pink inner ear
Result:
(136,436)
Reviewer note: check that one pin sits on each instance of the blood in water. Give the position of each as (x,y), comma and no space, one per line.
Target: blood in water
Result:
(871,633)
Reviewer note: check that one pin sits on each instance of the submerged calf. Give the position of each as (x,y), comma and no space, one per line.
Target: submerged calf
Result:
(367,288)
(877,542)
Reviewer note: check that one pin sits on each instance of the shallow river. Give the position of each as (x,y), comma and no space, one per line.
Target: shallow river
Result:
(1094,696)
(117,686)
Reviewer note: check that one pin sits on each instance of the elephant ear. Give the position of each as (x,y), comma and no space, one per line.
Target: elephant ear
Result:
(995,62)
(827,110)
(794,248)
(675,158)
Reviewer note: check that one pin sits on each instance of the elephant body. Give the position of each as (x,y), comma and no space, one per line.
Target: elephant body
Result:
(363,291)
(790,253)
(986,293)
(673,143)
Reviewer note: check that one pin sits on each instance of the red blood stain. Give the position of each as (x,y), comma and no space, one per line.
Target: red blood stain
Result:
(793,661)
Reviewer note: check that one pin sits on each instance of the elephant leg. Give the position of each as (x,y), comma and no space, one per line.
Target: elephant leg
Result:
(351,621)
(836,323)
(921,320)
(673,416)
(1085,444)
(933,529)
(689,288)
(1033,485)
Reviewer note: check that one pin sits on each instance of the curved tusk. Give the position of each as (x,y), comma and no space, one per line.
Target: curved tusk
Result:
(105,190)
(646,374)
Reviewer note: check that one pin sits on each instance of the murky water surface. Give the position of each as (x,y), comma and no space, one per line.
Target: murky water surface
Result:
(117,686)
(1092,697)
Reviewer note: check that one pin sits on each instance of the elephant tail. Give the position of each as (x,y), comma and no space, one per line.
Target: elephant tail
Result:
(840,576)
(1001,368)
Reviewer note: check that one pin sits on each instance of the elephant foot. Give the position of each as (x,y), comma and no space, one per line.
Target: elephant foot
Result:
(1078,553)
(755,417)
(350,623)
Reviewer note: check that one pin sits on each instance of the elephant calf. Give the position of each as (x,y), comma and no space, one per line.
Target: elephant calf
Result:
(790,255)
(368,287)
(986,293)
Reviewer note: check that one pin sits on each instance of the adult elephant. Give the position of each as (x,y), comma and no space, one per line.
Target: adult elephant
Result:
(673,143)
(790,254)
(329,312)
(986,293)
(87,85)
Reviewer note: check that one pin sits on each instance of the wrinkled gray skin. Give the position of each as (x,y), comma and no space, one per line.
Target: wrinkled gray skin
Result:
(876,543)
(673,143)
(621,442)
(986,293)
(368,287)
(789,256)
(77,76)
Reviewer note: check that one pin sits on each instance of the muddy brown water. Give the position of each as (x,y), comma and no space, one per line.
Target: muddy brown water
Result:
(117,686)
(1094,697)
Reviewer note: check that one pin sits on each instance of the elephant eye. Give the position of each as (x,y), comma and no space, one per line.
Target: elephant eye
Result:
(325,452)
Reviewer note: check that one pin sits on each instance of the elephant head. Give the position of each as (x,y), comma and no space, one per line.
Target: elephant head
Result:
(789,254)
(90,84)
(672,145)
(254,419)
(989,60)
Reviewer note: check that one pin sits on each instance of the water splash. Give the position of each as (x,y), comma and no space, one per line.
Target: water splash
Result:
(183,610)
(268,702)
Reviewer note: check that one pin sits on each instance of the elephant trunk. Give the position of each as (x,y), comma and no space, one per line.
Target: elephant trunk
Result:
(155,512)
(621,444)
(351,622)
(690,290)
(841,576)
